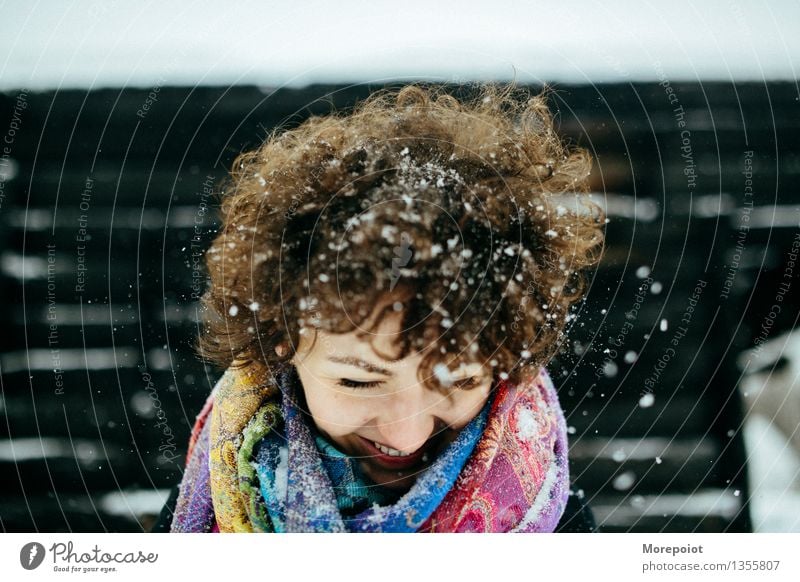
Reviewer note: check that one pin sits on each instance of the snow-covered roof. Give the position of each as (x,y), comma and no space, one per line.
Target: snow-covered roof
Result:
(100,43)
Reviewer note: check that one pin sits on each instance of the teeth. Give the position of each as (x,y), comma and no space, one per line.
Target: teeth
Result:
(389,451)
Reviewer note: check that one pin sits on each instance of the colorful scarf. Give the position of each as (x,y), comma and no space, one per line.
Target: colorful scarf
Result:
(255,464)
(354,491)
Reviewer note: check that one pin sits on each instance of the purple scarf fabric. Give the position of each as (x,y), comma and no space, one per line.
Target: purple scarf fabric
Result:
(515,479)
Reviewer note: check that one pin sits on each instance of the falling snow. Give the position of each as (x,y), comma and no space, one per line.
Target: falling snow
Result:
(624,481)
(443,374)
(647,400)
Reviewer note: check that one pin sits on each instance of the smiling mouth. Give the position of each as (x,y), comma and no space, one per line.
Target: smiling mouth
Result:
(390,451)
(391,459)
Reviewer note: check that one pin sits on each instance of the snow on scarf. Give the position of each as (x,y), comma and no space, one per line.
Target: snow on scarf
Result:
(253,465)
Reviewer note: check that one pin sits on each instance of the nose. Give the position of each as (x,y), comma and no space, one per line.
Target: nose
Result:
(407,421)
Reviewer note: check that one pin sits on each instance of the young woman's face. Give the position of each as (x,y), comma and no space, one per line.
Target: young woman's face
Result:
(358,399)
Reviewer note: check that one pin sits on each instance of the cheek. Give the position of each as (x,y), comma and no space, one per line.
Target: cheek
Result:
(470,404)
(337,412)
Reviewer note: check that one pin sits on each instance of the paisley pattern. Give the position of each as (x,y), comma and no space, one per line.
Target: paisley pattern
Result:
(517,480)
(506,472)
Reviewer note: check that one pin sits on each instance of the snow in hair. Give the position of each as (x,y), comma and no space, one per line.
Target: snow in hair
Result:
(450,205)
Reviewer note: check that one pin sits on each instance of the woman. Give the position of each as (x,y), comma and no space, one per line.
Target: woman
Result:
(386,291)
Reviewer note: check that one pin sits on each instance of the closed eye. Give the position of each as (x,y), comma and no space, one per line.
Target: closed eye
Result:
(466,383)
(348,383)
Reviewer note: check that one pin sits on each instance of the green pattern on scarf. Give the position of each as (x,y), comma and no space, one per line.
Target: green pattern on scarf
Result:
(267,418)
(354,491)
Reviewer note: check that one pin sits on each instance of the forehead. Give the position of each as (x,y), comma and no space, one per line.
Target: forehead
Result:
(353,350)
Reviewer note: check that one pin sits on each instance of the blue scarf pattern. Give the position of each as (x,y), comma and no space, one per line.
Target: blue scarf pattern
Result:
(307,484)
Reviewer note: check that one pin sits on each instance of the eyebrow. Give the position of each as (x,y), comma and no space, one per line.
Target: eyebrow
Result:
(369,367)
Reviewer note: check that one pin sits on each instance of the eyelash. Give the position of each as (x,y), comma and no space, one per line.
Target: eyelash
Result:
(468,383)
(347,383)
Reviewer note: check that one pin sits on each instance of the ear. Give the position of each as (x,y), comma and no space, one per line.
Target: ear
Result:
(282,349)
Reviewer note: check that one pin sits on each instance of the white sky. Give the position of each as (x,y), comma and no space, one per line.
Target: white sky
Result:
(100,43)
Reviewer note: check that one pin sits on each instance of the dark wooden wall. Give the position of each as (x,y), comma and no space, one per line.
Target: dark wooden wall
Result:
(104,216)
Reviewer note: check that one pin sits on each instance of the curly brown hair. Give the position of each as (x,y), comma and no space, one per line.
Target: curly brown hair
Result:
(456,203)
